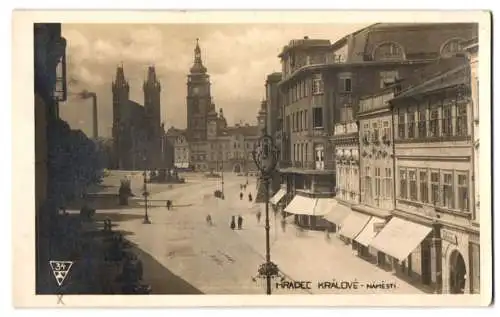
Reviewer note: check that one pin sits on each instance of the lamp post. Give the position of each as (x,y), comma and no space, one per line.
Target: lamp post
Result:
(145,193)
(265,156)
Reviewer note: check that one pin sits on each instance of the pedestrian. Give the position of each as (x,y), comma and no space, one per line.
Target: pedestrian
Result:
(250,197)
(240,222)
(241,195)
(259,214)
(283,224)
(209,220)
(233,223)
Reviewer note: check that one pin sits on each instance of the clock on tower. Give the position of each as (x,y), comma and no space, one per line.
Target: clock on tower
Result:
(196,91)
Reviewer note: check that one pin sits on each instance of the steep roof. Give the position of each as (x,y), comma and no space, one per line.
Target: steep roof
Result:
(447,72)
(172,131)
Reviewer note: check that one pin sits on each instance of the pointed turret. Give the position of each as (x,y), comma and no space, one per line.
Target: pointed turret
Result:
(120,82)
(151,81)
(198,67)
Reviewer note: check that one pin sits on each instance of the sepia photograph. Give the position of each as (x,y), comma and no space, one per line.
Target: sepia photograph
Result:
(257,158)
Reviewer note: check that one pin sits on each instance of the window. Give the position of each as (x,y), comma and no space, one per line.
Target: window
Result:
(448,190)
(305,119)
(304,83)
(434,123)
(317,84)
(368,184)
(377,182)
(403,189)
(411,124)
(452,46)
(386,130)
(462,119)
(435,188)
(300,121)
(447,131)
(346,113)
(412,175)
(317,117)
(388,51)
(347,84)
(387,77)
(375,137)
(388,183)
(424,189)
(422,121)
(305,153)
(319,157)
(401,126)
(463,192)
(293,121)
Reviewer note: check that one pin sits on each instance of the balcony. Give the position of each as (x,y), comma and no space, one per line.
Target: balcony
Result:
(318,132)
(284,164)
(375,102)
(345,128)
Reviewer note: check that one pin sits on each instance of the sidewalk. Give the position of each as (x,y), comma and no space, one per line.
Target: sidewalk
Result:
(310,257)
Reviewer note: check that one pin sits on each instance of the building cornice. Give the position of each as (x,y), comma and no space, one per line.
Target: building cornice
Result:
(342,66)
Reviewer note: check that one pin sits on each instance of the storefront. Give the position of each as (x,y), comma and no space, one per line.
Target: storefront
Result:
(475,264)
(337,215)
(405,256)
(308,210)
(456,253)
(367,234)
(352,225)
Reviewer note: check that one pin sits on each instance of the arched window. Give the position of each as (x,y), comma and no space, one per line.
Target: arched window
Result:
(451,46)
(389,50)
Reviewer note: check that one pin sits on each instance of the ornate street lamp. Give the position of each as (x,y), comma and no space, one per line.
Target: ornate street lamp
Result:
(265,156)
(145,193)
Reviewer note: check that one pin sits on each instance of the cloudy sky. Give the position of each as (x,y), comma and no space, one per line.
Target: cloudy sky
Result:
(238,58)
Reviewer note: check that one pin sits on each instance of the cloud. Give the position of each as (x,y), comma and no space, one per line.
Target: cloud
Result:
(238,58)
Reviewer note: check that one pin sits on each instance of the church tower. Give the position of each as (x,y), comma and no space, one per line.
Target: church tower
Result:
(262,116)
(198,100)
(152,88)
(120,89)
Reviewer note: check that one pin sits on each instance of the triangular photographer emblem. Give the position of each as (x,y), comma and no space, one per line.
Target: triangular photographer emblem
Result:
(60,270)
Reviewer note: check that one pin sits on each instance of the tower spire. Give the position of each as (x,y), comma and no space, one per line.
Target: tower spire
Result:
(198,63)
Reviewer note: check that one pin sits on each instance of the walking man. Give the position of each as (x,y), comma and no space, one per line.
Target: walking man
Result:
(240,222)
(259,214)
(233,223)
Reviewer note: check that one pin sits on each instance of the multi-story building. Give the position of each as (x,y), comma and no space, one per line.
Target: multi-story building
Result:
(433,219)
(50,89)
(137,131)
(376,186)
(209,143)
(322,83)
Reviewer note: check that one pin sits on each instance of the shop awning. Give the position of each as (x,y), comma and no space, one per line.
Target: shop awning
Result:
(353,224)
(181,164)
(399,238)
(324,206)
(337,214)
(301,205)
(370,231)
(278,196)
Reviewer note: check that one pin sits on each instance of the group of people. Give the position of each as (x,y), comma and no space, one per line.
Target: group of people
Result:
(233,222)
(250,198)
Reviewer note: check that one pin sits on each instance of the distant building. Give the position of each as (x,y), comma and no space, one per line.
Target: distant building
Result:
(208,143)
(138,134)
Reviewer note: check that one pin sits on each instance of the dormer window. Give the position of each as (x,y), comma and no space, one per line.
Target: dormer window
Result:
(388,51)
(451,47)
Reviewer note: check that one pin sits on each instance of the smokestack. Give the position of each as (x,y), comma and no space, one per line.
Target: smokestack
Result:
(85,94)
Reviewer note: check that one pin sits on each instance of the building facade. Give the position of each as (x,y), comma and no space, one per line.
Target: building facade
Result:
(434,180)
(208,143)
(138,134)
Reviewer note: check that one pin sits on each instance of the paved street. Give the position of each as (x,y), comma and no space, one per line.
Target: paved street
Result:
(217,260)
